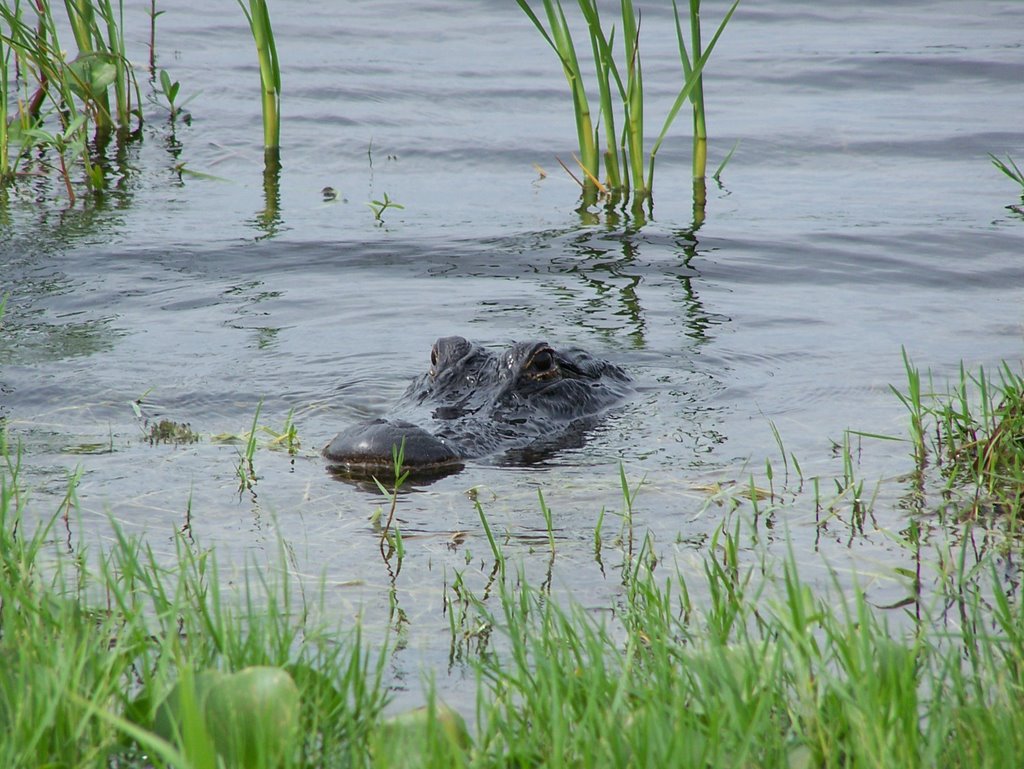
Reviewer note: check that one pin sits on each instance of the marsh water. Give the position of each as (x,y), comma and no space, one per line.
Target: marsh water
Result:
(858,217)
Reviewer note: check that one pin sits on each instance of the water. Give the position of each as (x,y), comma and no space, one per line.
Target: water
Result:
(859,216)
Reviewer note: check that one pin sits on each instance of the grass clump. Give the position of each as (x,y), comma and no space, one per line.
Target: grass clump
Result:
(95,646)
(172,433)
(974,435)
(131,658)
(765,673)
(619,85)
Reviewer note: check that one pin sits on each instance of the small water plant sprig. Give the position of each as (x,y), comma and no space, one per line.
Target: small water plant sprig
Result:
(380,206)
(389,536)
(624,157)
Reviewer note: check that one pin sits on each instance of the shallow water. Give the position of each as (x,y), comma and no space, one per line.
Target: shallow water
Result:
(858,217)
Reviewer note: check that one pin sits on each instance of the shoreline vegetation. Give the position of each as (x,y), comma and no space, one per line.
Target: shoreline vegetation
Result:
(117,658)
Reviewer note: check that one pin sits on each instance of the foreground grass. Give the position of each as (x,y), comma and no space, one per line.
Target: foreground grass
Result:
(89,652)
(764,671)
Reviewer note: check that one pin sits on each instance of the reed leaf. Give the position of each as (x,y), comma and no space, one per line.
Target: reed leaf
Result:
(560,41)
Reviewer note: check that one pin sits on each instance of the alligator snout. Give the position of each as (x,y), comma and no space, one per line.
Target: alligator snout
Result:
(371,448)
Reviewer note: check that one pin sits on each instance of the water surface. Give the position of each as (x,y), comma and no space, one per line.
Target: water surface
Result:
(859,217)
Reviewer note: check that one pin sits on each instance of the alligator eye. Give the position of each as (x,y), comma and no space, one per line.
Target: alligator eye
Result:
(543,362)
(433,355)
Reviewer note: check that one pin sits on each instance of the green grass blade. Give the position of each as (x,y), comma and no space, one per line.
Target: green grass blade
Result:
(1009,168)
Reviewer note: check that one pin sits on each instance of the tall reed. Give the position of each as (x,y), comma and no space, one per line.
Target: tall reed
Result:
(619,85)
(5,167)
(258,16)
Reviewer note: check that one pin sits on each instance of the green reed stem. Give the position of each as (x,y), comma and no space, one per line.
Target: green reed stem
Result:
(693,86)
(700,131)
(82,19)
(258,17)
(5,168)
(115,46)
(602,62)
(627,76)
(633,99)
(560,40)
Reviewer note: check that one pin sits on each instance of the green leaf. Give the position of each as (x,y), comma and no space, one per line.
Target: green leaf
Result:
(92,73)
(170,89)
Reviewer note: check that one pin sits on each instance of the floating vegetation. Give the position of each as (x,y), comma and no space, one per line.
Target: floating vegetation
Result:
(286,439)
(171,432)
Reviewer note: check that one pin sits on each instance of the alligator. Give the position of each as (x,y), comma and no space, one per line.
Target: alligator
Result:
(522,403)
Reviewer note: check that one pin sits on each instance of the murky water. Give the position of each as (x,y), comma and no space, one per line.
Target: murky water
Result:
(859,215)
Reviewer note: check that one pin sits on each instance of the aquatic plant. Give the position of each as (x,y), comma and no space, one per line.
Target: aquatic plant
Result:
(1013,172)
(393,538)
(975,433)
(380,206)
(170,89)
(1009,168)
(258,16)
(171,432)
(763,672)
(102,63)
(153,15)
(69,108)
(93,645)
(5,139)
(624,157)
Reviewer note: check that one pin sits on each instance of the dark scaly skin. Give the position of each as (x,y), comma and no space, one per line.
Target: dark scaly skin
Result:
(528,398)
